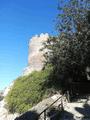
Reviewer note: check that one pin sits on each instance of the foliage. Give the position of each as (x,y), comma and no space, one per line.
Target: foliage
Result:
(69,53)
(27,91)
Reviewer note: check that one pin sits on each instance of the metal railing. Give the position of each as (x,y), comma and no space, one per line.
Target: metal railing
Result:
(47,108)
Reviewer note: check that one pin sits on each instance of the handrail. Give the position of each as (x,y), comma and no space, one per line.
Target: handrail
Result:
(44,111)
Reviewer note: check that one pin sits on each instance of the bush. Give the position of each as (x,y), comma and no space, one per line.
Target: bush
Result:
(27,91)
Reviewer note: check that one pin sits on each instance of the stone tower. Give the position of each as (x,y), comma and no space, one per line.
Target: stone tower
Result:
(35,57)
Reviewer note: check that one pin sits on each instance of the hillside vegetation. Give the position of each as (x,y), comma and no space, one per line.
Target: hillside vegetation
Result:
(27,91)
(68,54)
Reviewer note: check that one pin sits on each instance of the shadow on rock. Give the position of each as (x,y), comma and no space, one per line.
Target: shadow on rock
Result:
(55,114)
(85,111)
(67,116)
(30,115)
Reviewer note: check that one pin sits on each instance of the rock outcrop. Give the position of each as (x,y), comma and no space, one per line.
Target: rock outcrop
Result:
(1,95)
(35,57)
(4,114)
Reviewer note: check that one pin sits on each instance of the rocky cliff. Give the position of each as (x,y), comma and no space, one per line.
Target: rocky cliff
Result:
(35,57)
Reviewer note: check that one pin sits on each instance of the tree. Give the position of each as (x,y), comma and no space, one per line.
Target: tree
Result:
(69,53)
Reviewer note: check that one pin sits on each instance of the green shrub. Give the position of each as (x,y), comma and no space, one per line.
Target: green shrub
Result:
(27,91)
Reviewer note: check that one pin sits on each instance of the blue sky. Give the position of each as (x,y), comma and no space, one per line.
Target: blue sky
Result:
(19,21)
